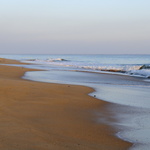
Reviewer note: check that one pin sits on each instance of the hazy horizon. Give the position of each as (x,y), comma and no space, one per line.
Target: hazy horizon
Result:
(73,53)
(75,27)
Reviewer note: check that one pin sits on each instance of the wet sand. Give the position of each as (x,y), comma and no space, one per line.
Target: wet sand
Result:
(46,116)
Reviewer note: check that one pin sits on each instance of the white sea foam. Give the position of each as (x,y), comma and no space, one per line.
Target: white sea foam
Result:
(143,73)
(47,60)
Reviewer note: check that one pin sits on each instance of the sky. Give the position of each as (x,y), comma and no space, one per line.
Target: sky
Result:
(75,26)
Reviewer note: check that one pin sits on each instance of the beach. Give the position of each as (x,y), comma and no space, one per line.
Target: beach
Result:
(44,116)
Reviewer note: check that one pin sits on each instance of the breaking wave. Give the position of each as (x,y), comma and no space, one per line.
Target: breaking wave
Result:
(47,60)
(128,69)
(55,60)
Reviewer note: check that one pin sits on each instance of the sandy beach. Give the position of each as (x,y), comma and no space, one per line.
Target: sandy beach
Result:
(44,116)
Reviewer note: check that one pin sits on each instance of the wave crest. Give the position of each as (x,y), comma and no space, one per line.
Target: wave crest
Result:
(48,60)
(55,60)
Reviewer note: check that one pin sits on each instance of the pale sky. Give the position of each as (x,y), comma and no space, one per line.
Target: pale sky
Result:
(75,26)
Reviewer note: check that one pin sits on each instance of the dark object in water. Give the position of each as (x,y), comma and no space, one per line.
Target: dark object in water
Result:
(144,67)
(94,95)
(113,70)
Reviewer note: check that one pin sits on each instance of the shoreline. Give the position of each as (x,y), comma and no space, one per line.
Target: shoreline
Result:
(38,115)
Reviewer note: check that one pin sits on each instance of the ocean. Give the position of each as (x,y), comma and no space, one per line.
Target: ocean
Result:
(128,64)
(122,80)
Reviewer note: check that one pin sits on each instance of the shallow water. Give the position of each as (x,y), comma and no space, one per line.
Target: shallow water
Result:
(116,85)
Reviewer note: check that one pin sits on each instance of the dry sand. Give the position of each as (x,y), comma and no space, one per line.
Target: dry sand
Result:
(43,116)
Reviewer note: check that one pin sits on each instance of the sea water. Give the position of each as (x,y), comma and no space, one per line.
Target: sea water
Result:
(119,79)
(128,64)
